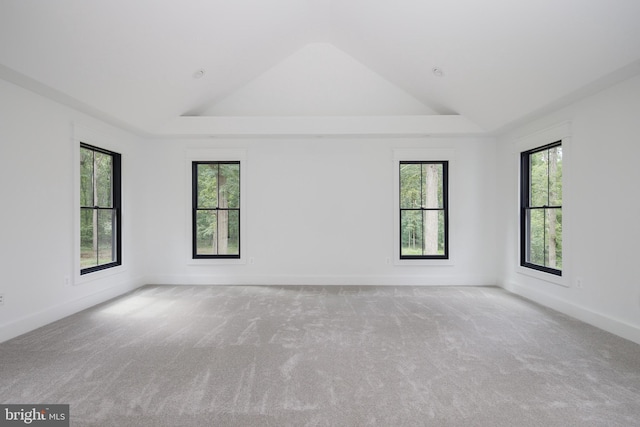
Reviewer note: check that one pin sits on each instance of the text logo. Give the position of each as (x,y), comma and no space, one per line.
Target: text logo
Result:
(34,415)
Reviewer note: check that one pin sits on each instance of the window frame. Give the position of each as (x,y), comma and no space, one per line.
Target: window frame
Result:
(444,209)
(526,207)
(195,208)
(116,207)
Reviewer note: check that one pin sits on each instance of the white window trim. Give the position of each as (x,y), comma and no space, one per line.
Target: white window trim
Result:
(89,136)
(216,155)
(423,154)
(559,132)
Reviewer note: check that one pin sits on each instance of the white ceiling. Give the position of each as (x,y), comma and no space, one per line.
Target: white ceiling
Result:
(318,80)
(133,61)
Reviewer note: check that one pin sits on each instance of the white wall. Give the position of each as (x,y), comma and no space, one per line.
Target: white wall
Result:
(318,80)
(320,211)
(601,212)
(37,187)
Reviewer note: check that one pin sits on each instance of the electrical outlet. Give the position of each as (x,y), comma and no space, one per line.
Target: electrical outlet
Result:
(1,299)
(579,282)
(67,281)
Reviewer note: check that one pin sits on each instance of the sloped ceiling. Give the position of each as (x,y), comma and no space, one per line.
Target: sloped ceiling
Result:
(318,80)
(133,62)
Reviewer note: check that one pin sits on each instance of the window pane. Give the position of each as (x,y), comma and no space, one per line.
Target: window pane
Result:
(537,226)
(229,186)
(206,233)
(432,185)
(539,178)
(433,232)
(228,232)
(103,165)
(411,232)
(410,185)
(216,229)
(88,240)
(207,186)
(422,213)
(542,228)
(99,230)
(553,244)
(545,237)
(86,177)
(555,176)
(106,240)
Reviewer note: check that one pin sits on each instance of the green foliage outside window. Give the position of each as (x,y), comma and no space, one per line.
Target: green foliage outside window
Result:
(422,209)
(543,209)
(98,208)
(217,209)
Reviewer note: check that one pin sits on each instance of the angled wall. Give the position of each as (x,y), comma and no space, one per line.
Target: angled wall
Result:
(600,282)
(37,250)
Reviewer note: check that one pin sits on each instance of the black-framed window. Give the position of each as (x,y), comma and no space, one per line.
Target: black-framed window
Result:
(424,214)
(100,209)
(541,208)
(216,209)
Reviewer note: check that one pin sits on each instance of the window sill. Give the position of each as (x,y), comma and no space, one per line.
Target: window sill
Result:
(541,275)
(423,262)
(215,261)
(81,279)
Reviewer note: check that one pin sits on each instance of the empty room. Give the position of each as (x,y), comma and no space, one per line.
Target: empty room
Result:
(320,213)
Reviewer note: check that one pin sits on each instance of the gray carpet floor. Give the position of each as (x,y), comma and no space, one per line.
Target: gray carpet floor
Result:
(325,356)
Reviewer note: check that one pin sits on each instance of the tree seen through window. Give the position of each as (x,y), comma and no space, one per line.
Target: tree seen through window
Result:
(99,209)
(216,209)
(423,209)
(541,234)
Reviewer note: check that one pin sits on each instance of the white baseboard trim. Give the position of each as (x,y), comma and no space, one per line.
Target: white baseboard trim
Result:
(36,320)
(599,320)
(315,280)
